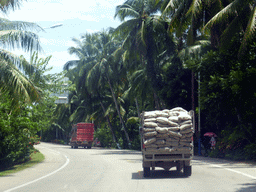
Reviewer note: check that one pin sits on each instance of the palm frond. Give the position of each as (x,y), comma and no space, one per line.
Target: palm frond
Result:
(172,5)
(125,27)
(195,7)
(125,10)
(226,38)
(249,32)
(6,24)
(15,84)
(141,33)
(6,5)
(68,65)
(28,41)
(225,13)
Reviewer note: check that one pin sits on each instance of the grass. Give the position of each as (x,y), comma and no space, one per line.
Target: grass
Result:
(36,158)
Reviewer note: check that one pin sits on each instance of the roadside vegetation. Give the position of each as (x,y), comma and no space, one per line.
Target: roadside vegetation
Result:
(35,157)
(199,55)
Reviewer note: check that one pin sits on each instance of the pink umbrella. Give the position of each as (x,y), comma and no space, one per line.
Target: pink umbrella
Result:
(210,134)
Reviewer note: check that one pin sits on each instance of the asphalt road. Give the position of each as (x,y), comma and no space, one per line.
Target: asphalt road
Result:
(104,170)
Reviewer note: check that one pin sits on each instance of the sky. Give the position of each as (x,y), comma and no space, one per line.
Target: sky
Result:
(77,17)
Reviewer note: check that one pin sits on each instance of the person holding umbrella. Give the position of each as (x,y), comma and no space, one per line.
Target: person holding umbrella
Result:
(211,144)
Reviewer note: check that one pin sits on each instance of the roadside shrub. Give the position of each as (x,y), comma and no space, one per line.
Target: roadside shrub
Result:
(250,152)
(104,136)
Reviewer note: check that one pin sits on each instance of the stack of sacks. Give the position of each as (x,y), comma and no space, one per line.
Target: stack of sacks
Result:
(168,130)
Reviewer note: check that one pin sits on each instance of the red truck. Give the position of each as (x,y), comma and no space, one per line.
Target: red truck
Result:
(82,135)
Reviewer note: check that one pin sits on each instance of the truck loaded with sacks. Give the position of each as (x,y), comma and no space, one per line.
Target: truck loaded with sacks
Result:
(167,140)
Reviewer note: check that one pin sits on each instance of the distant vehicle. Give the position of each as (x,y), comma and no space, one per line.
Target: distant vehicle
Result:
(82,135)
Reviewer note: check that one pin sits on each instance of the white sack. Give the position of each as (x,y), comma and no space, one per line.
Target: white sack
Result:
(150,134)
(172,143)
(162,135)
(150,120)
(184,116)
(172,139)
(173,124)
(179,109)
(162,120)
(149,129)
(175,134)
(150,124)
(185,126)
(161,129)
(160,141)
(173,113)
(150,114)
(174,119)
(175,129)
(150,141)
(186,131)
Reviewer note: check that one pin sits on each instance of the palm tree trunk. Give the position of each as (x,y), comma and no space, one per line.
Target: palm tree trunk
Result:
(118,111)
(109,124)
(156,101)
(137,106)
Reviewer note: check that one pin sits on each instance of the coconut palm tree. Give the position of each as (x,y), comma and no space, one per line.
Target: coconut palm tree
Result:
(88,76)
(17,34)
(221,20)
(236,16)
(106,71)
(13,68)
(145,32)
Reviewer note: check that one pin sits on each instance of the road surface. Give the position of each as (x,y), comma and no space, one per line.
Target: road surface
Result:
(105,170)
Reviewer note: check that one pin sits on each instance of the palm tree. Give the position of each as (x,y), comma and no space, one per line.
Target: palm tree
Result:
(220,19)
(107,70)
(145,33)
(236,16)
(17,34)
(87,75)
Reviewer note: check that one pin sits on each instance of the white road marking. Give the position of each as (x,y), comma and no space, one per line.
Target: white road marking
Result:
(228,169)
(25,184)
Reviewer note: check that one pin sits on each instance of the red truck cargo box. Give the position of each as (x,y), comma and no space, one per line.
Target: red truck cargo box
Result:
(82,134)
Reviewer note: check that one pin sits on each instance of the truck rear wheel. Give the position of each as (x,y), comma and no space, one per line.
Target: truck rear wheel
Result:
(146,171)
(178,167)
(187,171)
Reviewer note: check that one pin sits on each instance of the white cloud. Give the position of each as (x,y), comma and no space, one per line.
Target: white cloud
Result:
(90,18)
(35,11)
(77,16)
(57,42)
(91,31)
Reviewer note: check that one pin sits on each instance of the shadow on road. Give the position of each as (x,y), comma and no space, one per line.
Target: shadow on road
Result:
(159,174)
(247,187)
(119,152)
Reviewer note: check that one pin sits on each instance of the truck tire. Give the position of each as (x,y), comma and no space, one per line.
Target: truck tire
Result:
(146,171)
(178,167)
(187,171)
